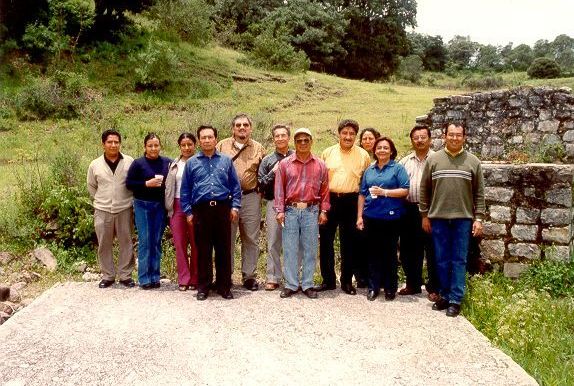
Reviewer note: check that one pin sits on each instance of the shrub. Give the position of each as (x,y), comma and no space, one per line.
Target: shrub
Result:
(543,68)
(155,66)
(64,95)
(411,68)
(273,51)
(175,16)
(486,82)
(554,277)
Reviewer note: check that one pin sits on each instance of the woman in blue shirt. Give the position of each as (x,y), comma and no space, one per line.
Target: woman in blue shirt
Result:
(384,186)
(146,179)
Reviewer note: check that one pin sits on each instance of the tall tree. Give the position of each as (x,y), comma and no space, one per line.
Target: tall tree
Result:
(461,51)
(563,50)
(542,48)
(488,58)
(110,16)
(520,58)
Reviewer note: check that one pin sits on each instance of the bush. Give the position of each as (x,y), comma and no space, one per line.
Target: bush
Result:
(486,82)
(155,66)
(554,277)
(175,16)
(411,68)
(543,68)
(64,95)
(274,52)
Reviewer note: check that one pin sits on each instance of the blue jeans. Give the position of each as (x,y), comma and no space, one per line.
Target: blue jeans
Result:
(301,231)
(451,238)
(150,222)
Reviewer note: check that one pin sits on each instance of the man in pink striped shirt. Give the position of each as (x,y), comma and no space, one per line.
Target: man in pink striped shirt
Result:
(301,202)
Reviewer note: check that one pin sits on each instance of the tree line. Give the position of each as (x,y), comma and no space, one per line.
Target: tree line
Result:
(360,39)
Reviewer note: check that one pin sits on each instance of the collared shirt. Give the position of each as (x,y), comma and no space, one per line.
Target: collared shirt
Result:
(266,175)
(209,179)
(415,167)
(345,168)
(113,164)
(247,163)
(390,176)
(301,181)
(108,190)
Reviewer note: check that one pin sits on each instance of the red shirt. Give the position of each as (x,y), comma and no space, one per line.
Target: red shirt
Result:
(301,181)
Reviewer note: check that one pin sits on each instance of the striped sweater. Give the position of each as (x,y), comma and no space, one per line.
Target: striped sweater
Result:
(452,187)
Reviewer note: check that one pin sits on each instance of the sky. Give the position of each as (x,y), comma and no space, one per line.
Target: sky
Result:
(496,22)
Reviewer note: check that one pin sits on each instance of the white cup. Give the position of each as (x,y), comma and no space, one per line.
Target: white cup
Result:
(373,195)
(160,176)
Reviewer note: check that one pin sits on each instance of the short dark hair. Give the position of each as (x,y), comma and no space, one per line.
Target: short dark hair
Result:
(109,132)
(417,128)
(151,136)
(187,135)
(281,126)
(371,130)
(348,123)
(205,127)
(455,124)
(391,144)
(241,115)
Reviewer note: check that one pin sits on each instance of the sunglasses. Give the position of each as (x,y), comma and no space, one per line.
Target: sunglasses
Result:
(303,140)
(242,124)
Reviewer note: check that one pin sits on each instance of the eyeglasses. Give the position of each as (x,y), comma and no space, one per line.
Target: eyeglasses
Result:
(242,124)
(303,141)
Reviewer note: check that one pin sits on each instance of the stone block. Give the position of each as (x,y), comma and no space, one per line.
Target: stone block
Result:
(549,126)
(460,99)
(46,257)
(551,139)
(491,229)
(514,270)
(555,217)
(559,196)
(517,140)
(530,192)
(545,115)
(524,232)
(535,101)
(495,174)
(457,115)
(533,138)
(492,250)
(527,215)
(496,194)
(527,127)
(516,102)
(556,235)
(500,214)
(569,150)
(568,136)
(529,251)
(558,252)
(568,125)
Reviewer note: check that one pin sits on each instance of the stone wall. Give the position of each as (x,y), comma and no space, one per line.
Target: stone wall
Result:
(529,212)
(527,123)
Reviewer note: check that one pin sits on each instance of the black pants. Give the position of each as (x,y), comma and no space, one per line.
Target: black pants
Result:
(343,214)
(212,226)
(382,239)
(415,244)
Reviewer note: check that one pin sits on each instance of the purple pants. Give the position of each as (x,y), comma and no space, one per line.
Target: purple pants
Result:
(184,243)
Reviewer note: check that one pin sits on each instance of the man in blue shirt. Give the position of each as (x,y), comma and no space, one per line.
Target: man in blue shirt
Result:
(211,198)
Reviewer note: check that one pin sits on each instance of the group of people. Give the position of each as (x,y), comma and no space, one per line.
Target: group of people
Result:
(429,203)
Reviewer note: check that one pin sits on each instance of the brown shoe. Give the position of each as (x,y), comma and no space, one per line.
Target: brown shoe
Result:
(271,286)
(409,291)
(433,297)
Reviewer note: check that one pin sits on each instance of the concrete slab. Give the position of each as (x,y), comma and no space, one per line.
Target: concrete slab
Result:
(76,333)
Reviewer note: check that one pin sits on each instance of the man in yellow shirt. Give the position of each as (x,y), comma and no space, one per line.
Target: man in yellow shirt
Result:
(346,163)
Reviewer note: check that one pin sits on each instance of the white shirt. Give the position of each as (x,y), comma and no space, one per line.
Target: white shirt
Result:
(178,177)
(415,169)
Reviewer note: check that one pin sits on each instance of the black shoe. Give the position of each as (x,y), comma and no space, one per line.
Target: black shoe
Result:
(349,289)
(201,295)
(372,295)
(251,285)
(146,286)
(157,284)
(128,283)
(226,294)
(442,304)
(390,295)
(361,283)
(310,293)
(325,287)
(453,310)
(286,293)
(105,283)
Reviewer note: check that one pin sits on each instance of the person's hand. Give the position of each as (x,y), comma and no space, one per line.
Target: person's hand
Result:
(322,218)
(280,219)
(477,228)
(190,219)
(426,224)
(360,224)
(154,182)
(376,191)
(234,215)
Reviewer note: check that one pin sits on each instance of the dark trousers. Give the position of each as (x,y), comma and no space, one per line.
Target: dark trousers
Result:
(343,214)
(414,246)
(212,226)
(382,239)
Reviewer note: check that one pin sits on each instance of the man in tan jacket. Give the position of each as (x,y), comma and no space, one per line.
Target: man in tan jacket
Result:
(112,209)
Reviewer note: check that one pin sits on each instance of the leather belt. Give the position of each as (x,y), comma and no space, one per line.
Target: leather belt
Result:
(340,195)
(246,192)
(301,205)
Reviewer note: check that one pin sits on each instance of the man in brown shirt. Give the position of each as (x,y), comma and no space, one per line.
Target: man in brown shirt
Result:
(246,155)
